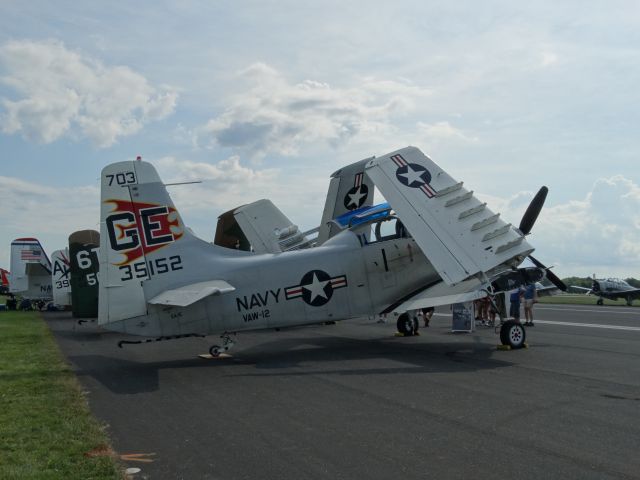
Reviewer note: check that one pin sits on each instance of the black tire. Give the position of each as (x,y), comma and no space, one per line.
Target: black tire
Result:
(405,324)
(512,333)
(214,350)
(599,302)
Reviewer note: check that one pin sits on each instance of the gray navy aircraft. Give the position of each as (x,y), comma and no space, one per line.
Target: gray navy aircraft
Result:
(434,243)
(612,289)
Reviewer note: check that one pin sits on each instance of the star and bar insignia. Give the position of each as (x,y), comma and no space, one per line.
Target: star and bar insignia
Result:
(316,287)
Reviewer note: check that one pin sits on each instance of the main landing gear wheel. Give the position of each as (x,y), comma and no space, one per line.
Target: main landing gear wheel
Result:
(214,350)
(599,302)
(407,326)
(513,334)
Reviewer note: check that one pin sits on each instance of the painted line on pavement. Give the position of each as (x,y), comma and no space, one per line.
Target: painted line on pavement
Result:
(590,325)
(571,324)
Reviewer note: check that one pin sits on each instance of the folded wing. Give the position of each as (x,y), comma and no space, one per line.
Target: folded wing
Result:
(458,234)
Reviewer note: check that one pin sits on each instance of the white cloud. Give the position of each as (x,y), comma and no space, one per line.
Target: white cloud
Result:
(48,213)
(275,116)
(444,130)
(62,92)
(597,234)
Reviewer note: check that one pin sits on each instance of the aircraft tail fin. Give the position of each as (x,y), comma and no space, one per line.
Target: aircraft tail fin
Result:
(84,273)
(145,248)
(60,277)
(350,188)
(30,269)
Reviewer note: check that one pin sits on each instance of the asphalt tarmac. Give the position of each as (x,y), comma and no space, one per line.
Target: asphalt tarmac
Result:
(352,401)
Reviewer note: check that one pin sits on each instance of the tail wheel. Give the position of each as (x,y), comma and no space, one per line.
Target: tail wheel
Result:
(405,325)
(513,334)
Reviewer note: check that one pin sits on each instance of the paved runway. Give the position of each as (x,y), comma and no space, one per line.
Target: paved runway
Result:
(352,401)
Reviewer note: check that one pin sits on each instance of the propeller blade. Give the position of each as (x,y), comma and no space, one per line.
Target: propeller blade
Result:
(553,278)
(533,210)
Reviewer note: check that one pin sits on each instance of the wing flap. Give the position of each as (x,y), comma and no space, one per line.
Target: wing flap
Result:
(459,235)
(189,294)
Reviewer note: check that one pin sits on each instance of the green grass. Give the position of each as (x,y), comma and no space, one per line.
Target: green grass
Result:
(45,424)
(583,300)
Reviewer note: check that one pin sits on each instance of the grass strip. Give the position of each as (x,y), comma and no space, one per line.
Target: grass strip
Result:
(46,428)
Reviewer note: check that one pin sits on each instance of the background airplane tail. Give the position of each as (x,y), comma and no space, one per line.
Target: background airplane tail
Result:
(349,189)
(30,269)
(84,267)
(60,278)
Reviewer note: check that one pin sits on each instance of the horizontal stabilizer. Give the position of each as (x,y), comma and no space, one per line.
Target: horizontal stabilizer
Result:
(189,294)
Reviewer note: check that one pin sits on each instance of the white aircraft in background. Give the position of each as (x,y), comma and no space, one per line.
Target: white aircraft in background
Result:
(30,270)
(444,246)
(61,278)
(612,289)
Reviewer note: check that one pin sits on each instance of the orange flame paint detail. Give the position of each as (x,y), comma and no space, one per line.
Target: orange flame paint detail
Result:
(166,227)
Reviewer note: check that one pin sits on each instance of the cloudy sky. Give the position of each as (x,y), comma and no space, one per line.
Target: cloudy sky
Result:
(265,99)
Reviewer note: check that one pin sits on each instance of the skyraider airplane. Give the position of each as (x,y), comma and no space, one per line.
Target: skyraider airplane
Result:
(159,280)
(612,289)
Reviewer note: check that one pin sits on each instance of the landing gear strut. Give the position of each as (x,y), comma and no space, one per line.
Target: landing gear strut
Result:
(227,343)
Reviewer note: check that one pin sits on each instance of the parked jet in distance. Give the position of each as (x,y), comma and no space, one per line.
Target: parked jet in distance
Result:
(612,289)
(30,270)
(157,279)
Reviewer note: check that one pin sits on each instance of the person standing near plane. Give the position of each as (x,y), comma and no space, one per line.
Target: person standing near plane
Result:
(427,313)
(514,309)
(530,297)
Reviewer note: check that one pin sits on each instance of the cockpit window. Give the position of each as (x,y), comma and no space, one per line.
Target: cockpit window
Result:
(383,230)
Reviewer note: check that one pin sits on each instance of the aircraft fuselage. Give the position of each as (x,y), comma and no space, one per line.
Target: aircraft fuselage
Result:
(343,279)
